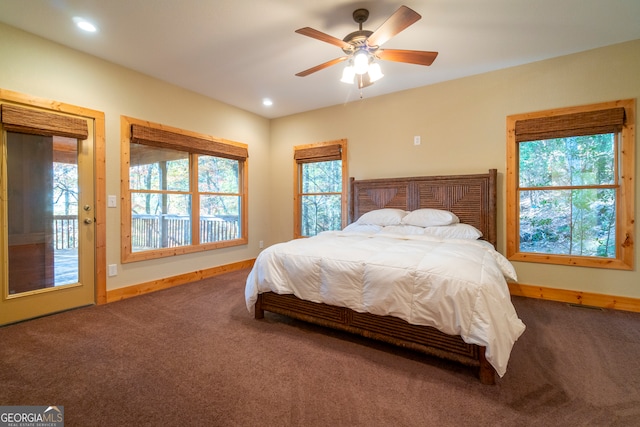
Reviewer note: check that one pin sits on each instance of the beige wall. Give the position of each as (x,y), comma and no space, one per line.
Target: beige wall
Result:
(33,66)
(462,125)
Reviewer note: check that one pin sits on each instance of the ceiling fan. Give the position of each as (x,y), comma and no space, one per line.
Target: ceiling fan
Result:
(362,47)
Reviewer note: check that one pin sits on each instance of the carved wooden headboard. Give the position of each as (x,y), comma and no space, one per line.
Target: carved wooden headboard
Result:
(471,197)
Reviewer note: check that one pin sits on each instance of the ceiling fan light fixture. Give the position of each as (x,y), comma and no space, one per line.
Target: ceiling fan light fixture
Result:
(375,72)
(348,74)
(361,62)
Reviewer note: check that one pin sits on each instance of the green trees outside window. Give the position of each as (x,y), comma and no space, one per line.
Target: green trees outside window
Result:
(568,195)
(321,197)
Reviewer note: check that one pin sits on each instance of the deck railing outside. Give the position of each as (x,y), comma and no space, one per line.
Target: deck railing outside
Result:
(65,231)
(154,231)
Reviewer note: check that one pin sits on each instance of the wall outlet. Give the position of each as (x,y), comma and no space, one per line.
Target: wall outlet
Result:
(113,270)
(416,140)
(261,244)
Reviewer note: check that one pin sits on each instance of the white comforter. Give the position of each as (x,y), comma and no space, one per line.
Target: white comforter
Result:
(456,286)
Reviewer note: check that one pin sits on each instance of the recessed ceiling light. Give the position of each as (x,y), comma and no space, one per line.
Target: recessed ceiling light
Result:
(267,102)
(85,25)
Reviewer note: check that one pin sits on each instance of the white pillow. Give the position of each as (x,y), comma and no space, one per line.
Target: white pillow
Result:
(402,229)
(454,231)
(362,228)
(430,217)
(383,217)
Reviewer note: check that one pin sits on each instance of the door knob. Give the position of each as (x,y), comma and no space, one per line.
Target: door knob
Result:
(88,220)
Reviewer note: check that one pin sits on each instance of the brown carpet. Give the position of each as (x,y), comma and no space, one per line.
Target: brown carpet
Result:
(193,356)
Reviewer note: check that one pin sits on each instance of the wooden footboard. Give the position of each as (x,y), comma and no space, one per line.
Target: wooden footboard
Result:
(388,329)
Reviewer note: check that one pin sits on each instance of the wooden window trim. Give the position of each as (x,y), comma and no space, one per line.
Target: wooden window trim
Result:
(625,215)
(177,139)
(319,152)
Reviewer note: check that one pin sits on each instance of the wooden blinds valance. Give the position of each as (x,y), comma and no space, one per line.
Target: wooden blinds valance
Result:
(323,153)
(577,124)
(25,120)
(176,141)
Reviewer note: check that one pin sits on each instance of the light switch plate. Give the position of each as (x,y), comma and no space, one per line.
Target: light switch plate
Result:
(113,270)
(111,201)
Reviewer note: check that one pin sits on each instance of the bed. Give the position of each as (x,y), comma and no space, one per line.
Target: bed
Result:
(467,320)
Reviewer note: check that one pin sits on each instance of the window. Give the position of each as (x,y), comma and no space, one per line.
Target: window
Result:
(570,189)
(320,201)
(183,192)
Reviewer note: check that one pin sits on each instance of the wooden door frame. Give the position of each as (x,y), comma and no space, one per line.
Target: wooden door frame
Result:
(100,273)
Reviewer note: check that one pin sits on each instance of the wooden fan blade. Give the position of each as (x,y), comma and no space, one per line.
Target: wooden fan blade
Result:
(401,19)
(410,56)
(319,35)
(321,66)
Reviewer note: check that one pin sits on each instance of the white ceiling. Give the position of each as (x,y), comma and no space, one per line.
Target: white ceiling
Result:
(241,51)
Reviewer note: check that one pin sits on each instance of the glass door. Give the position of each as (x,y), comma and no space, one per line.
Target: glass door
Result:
(48,237)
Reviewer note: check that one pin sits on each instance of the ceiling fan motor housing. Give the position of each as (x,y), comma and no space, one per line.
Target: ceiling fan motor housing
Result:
(357,39)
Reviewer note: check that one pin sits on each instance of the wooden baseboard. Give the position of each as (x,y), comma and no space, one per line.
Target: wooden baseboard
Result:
(517,289)
(576,297)
(169,282)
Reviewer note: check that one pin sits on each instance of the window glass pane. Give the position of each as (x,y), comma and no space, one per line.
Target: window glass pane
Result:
(42,186)
(322,177)
(65,219)
(568,222)
(153,168)
(219,218)
(218,175)
(160,220)
(320,213)
(581,160)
